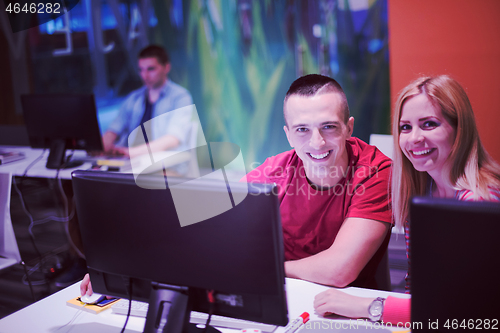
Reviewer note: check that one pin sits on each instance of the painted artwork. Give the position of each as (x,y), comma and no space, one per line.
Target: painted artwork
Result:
(236,57)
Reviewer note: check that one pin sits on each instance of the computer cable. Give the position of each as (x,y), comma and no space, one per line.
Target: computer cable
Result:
(29,280)
(33,163)
(129,304)
(44,220)
(28,214)
(30,272)
(48,218)
(67,218)
(50,266)
(26,277)
(75,316)
(56,218)
(23,204)
(66,208)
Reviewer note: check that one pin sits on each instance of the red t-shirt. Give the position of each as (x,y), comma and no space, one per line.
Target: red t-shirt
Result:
(311,218)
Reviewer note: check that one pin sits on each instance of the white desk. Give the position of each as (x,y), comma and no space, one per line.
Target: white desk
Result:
(17,168)
(139,163)
(53,315)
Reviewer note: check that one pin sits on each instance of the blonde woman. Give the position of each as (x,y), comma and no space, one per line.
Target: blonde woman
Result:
(437,152)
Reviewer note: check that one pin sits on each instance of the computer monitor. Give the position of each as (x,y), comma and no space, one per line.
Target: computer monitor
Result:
(454,265)
(59,122)
(133,240)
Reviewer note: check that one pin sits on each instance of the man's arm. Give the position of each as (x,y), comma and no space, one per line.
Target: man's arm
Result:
(356,243)
(175,126)
(120,123)
(163,143)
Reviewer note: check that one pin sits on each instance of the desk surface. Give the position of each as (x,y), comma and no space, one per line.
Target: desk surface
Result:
(139,164)
(17,168)
(51,314)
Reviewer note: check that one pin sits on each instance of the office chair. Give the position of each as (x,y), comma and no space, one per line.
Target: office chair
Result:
(383,275)
(384,143)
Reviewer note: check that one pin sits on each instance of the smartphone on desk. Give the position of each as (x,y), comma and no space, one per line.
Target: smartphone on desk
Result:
(102,302)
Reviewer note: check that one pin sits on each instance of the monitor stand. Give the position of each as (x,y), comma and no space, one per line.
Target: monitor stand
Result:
(57,156)
(169,311)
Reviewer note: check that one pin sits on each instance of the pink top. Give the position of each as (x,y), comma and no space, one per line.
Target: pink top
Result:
(396,310)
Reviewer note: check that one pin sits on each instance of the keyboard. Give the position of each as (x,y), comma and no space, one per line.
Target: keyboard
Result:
(108,160)
(140,309)
(10,156)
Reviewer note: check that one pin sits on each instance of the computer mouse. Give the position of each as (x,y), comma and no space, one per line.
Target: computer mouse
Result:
(91,299)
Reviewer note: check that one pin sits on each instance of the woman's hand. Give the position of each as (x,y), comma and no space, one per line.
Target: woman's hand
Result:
(340,303)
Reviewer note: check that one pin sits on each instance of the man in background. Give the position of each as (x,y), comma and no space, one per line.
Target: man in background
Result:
(158,96)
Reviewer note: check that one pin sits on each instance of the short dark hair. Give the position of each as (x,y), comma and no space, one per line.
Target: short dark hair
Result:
(313,84)
(155,51)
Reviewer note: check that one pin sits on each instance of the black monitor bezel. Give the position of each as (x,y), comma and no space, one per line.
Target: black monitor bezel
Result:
(268,294)
(453,247)
(60,122)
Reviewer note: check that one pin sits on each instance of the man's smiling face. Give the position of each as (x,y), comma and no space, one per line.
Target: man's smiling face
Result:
(316,128)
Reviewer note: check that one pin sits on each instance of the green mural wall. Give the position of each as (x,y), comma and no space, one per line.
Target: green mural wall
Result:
(238,59)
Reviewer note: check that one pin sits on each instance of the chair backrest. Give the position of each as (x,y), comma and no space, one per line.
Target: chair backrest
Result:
(9,251)
(383,274)
(384,143)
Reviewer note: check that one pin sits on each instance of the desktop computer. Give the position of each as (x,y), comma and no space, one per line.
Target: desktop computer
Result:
(454,264)
(59,122)
(231,264)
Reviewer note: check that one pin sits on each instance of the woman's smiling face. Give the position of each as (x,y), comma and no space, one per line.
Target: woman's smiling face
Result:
(425,135)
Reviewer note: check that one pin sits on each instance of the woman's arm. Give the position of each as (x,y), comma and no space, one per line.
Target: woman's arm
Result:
(396,310)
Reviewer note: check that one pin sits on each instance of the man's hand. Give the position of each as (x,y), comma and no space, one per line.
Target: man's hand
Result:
(86,286)
(108,141)
(338,302)
(121,151)
(163,143)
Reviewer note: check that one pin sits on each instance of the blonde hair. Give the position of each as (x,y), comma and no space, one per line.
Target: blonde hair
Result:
(468,166)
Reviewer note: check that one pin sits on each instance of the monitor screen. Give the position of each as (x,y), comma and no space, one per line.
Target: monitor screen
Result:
(454,264)
(132,237)
(59,122)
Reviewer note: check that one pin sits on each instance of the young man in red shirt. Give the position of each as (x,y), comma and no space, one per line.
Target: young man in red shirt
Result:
(333,189)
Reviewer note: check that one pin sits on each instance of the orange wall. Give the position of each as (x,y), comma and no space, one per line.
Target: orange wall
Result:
(456,37)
